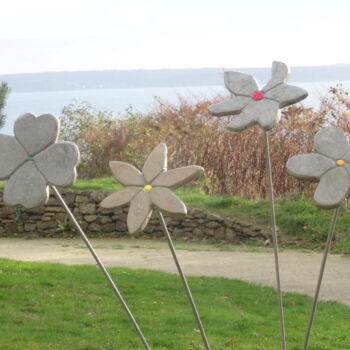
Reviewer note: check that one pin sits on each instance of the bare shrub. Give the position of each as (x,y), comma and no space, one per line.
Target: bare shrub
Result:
(234,162)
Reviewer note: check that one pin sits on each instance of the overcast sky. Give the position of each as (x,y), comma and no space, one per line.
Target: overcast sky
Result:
(44,35)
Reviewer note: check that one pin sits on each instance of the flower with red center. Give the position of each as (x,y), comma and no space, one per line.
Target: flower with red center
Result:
(259,95)
(255,105)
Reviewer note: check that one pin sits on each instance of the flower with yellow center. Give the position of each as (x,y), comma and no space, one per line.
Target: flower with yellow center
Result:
(147,188)
(329,165)
(150,188)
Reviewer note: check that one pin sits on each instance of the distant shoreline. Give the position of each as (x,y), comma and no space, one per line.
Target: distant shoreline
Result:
(160,78)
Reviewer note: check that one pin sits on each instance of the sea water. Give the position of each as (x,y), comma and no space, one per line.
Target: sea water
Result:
(118,100)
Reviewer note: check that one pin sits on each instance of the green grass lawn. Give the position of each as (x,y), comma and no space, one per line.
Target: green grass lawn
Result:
(51,306)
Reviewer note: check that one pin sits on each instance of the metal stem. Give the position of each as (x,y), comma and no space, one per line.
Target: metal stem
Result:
(103,269)
(183,279)
(274,238)
(320,276)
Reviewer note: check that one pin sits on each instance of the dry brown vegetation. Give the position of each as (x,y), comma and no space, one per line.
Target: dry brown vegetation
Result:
(234,162)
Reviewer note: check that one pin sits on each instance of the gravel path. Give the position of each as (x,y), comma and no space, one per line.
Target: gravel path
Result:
(299,270)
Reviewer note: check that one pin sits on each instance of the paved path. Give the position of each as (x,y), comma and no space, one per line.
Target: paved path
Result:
(299,270)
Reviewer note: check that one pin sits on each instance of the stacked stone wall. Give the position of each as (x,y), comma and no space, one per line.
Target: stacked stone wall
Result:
(52,221)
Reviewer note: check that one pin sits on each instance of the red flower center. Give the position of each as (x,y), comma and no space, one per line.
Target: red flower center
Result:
(258,95)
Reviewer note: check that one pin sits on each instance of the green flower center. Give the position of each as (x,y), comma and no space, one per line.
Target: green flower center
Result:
(30,159)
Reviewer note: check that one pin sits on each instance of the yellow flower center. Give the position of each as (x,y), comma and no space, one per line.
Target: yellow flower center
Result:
(147,188)
(340,162)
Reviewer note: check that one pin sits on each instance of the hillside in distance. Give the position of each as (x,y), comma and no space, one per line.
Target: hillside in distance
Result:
(114,79)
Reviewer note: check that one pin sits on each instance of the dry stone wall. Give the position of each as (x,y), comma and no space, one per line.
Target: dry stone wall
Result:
(52,221)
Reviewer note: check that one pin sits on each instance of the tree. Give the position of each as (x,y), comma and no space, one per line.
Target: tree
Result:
(4,91)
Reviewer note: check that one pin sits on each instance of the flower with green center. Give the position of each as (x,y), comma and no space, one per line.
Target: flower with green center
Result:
(255,105)
(330,166)
(33,159)
(151,188)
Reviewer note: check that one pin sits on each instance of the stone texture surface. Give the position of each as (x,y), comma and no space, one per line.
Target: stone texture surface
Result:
(279,75)
(57,163)
(332,143)
(240,84)
(309,166)
(32,159)
(126,174)
(263,106)
(177,177)
(36,133)
(26,187)
(165,200)
(155,163)
(333,188)
(331,167)
(154,190)
(229,107)
(120,198)
(267,110)
(140,212)
(12,155)
(285,95)
(51,221)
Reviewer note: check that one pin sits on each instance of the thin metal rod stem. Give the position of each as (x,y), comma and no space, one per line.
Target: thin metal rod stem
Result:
(103,269)
(274,238)
(183,279)
(320,276)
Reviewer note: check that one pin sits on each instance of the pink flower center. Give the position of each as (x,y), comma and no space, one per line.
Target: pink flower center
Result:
(258,95)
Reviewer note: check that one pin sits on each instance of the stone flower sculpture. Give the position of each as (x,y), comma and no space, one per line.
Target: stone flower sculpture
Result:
(255,105)
(33,159)
(150,188)
(330,165)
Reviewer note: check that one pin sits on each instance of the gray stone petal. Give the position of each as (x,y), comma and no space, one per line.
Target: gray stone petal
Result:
(240,84)
(165,200)
(346,156)
(279,75)
(269,114)
(126,174)
(177,177)
(12,155)
(140,212)
(229,107)
(36,133)
(242,122)
(120,198)
(26,187)
(57,163)
(309,166)
(332,143)
(264,112)
(286,95)
(332,189)
(155,163)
